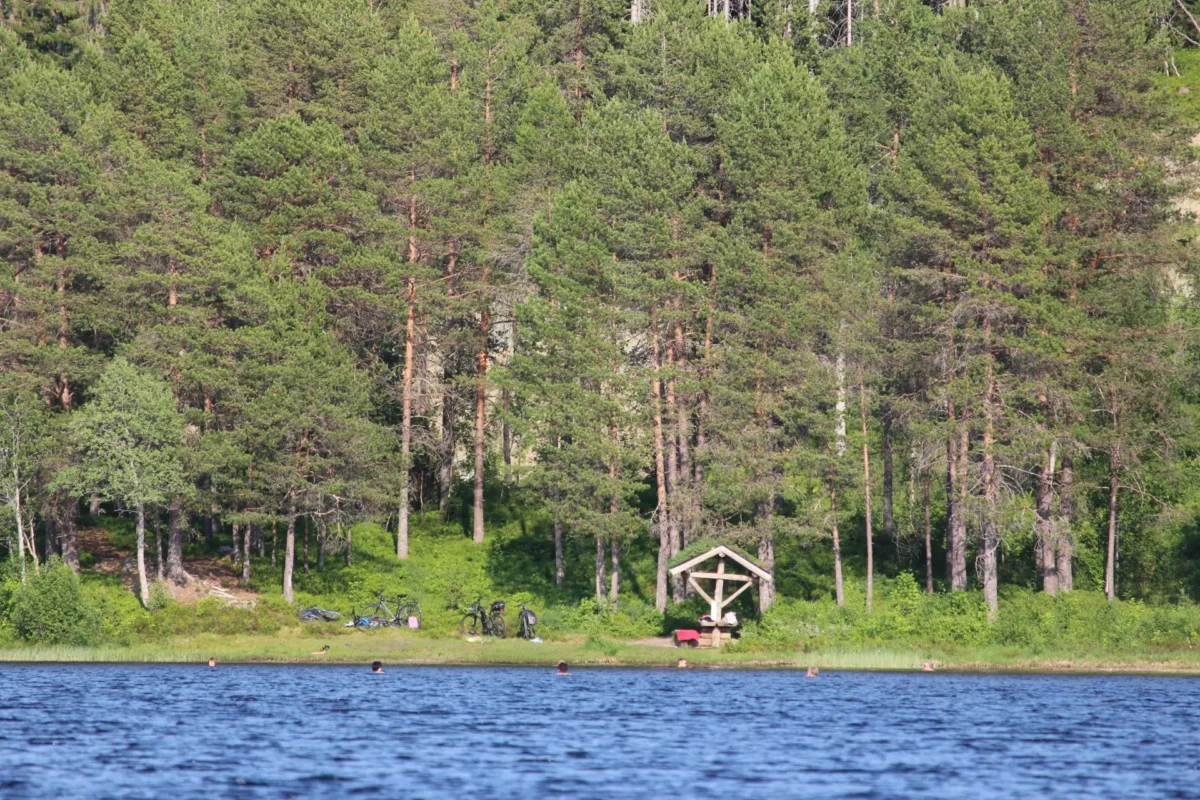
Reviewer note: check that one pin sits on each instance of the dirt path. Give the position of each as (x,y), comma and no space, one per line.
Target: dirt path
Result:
(211,577)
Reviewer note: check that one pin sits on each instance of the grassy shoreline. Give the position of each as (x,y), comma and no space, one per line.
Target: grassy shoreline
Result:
(403,648)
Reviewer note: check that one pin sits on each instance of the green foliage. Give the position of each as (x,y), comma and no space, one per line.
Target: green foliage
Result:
(1032,622)
(50,607)
(640,268)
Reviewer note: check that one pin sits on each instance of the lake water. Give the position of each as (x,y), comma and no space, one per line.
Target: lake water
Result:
(184,732)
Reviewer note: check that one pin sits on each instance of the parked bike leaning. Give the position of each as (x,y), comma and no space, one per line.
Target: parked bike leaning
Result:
(528,623)
(489,622)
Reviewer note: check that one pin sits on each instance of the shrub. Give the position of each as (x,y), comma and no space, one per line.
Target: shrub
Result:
(51,608)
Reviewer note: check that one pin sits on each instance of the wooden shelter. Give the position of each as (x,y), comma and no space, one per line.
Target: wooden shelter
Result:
(701,568)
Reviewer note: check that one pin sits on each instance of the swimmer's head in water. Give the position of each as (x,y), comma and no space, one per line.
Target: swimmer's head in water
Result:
(212,662)
(562,668)
(376,666)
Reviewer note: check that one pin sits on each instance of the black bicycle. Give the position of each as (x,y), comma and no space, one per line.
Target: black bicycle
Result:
(406,611)
(315,614)
(528,622)
(488,622)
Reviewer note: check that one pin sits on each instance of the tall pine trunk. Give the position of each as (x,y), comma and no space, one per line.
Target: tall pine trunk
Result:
(614,575)
(766,554)
(989,536)
(956,524)
(158,548)
(289,551)
(560,573)
(175,571)
(889,520)
(480,410)
(928,540)
(143,586)
(307,529)
(673,493)
(840,443)
(249,534)
(20,514)
(449,447)
(1066,479)
(68,535)
(684,503)
(1110,560)
(839,586)
(449,444)
(601,578)
(406,405)
(866,466)
(662,512)
(1046,541)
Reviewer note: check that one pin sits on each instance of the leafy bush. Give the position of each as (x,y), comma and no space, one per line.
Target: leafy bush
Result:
(51,608)
(1031,621)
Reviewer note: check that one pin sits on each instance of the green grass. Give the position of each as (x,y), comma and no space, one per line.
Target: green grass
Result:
(404,647)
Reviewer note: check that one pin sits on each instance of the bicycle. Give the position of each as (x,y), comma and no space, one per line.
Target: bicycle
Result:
(489,623)
(406,610)
(379,609)
(528,622)
(315,614)
(368,622)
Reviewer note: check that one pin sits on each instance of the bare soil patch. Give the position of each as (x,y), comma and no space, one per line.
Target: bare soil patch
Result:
(209,576)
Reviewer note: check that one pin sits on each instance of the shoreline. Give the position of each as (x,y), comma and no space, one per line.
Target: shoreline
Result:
(404,649)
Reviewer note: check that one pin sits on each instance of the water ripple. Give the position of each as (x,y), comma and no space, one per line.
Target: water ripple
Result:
(265,732)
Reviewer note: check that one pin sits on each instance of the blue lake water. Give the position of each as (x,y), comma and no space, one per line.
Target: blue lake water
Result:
(182,732)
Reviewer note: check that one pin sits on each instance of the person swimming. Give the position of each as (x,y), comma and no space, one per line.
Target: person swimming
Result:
(562,668)
(212,662)
(682,663)
(377,668)
(812,672)
(927,667)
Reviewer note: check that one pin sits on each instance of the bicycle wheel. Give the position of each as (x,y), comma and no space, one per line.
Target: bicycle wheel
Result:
(470,625)
(499,627)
